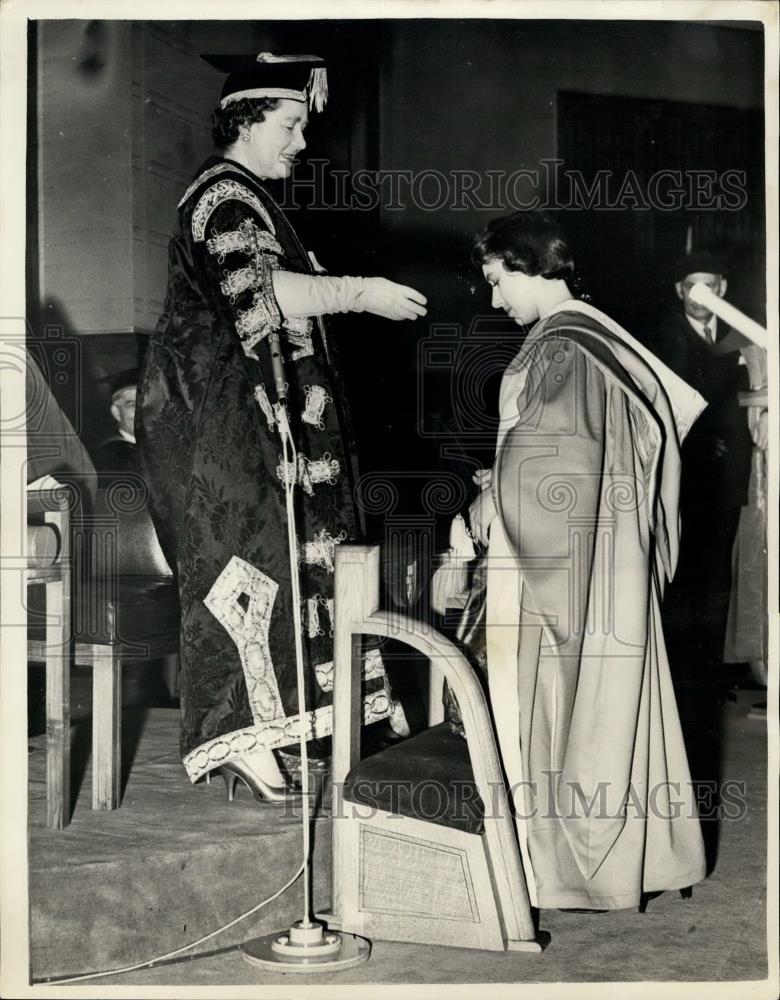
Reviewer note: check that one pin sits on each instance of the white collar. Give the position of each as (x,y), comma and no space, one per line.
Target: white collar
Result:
(698,326)
(124,434)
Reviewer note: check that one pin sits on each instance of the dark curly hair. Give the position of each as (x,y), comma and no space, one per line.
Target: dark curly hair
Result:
(228,121)
(530,242)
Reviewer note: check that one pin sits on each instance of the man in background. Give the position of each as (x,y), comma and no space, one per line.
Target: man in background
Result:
(117,456)
(715,468)
(116,459)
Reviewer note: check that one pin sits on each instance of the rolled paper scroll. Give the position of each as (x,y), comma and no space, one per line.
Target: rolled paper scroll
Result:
(704,296)
(760,399)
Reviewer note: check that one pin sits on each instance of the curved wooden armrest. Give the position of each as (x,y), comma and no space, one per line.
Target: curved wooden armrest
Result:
(48,540)
(48,501)
(356,613)
(462,679)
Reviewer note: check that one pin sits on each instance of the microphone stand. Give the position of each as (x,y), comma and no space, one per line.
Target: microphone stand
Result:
(307,946)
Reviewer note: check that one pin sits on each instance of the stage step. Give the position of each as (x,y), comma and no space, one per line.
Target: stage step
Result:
(173,863)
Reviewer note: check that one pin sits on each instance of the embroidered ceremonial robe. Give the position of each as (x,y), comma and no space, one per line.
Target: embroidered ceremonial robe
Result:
(586,484)
(212,456)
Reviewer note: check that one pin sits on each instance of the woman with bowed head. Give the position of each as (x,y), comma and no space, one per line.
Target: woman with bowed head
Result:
(579,514)
(208,434)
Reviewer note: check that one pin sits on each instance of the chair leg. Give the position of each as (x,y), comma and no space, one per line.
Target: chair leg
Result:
(57,709)
(106,728)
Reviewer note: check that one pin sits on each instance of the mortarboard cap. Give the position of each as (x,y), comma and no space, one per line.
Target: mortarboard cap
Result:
(697,263)
(299,78)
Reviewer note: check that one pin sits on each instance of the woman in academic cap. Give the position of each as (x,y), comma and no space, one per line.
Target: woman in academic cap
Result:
(210,445)
(579,513)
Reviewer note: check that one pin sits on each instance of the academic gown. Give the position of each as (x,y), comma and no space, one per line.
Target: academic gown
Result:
(586,485)
(212,455)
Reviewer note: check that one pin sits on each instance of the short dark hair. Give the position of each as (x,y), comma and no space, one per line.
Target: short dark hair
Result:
(530,242)
(228,121)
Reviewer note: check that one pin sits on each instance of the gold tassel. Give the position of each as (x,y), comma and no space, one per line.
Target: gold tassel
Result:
(318,88)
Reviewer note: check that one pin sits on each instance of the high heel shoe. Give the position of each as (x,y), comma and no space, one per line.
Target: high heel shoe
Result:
(237,770)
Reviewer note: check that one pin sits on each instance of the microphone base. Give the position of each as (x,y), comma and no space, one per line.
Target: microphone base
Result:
(307,950)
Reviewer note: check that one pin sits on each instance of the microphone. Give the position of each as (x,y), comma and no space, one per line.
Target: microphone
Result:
(277,367)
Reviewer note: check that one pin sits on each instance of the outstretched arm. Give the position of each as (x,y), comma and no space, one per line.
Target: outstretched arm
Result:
(319,295)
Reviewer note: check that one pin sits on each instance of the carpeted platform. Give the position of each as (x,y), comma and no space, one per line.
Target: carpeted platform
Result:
(173,863)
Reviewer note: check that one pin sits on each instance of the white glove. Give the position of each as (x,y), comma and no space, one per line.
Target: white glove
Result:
(318,295)
(385,298)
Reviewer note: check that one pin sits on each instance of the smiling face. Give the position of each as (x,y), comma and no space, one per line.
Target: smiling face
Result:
(513,291)
(274,144)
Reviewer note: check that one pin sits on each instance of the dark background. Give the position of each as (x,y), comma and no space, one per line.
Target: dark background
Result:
(120,120)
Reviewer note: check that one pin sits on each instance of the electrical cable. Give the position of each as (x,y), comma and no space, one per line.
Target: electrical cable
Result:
(177,951)
(291,465)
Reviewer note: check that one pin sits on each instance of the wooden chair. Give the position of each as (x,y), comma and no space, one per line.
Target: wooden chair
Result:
(49,567)
(454,878)
(125,608)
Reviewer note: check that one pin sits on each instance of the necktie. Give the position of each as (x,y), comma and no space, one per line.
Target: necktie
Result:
(708,335)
